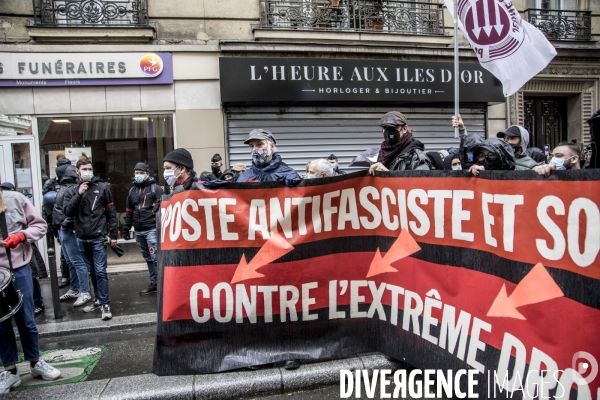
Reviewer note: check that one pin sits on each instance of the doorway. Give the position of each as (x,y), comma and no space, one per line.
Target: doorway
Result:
(19,165)
(546,120)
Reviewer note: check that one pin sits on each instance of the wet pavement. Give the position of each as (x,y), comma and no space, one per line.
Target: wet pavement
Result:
(125,299)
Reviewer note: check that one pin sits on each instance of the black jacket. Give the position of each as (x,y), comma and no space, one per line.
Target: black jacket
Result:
(140,206)
(412,158)
(94,213)
(69,180)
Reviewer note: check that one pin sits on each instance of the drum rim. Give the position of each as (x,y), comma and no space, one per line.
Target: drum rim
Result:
(14,310)
(5,272)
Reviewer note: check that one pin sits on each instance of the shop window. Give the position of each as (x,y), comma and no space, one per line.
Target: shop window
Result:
(114,143)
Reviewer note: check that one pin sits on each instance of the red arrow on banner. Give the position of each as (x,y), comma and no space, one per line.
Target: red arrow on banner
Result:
(273,249)
(535,287)
(404,246)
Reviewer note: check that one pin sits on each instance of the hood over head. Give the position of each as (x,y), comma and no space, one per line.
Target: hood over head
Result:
(69,176)
(503,149)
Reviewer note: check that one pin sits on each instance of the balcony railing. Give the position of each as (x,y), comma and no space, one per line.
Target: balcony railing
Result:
(381,16)
(95,13)
(562,24)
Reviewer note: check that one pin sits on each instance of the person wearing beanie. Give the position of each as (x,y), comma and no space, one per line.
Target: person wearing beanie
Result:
(333,160)
(179,171)
(140,212)
(52,186)
(216,164)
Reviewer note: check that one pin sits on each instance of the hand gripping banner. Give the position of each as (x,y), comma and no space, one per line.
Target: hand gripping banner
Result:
(498,273)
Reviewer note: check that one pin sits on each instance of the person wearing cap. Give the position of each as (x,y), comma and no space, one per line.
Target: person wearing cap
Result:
(179,171)
(493,155)
(518,138)
(140,210)
(400,151)
(237,170)
(333,160)
(565,156)
(216,163)
(267,165)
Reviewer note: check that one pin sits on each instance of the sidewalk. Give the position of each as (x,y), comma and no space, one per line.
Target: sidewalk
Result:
(132,311)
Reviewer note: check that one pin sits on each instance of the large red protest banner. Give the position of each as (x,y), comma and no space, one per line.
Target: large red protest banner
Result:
(499,275)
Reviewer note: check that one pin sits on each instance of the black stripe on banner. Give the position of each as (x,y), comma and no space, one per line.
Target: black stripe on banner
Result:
(575,286)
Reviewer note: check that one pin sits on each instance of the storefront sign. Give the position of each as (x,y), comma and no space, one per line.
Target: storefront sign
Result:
(339,80)
(85,69)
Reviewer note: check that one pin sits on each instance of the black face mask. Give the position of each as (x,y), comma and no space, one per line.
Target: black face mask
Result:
(215,169)
(491,165)
(392,136)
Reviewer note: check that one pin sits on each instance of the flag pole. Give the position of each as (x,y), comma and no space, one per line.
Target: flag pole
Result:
(456,69)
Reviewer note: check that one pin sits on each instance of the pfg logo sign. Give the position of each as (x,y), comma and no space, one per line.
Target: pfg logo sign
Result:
(151,64)
(492,26)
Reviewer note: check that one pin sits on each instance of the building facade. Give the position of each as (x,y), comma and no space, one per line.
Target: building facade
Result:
(317,73)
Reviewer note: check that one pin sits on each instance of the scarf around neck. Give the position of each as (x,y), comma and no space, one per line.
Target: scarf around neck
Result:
(388,153)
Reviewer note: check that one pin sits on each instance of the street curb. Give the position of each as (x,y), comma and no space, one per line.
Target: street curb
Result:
(226,385)
(56,329)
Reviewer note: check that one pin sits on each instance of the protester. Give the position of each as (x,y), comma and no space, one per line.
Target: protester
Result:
(53,185)
(179,171)
(587,156)
(400,150)
(320,168)
(38,269)
(227,175)
(140,210)
(237,170)
(94,215)
(267,165)
(333,160)
(79,279)
(537,155)
(452,163)
(436,159)
(216,164)
(468,142)
(206,176)
(24,225)
(518,138)
(565,156)
(492,155)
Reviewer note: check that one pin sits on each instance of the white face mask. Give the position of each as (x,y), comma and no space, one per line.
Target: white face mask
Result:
(86,176)
(310,176)
(170,178)
(456,167)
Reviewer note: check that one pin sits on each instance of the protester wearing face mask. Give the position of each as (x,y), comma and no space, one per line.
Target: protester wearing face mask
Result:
(493,155)
(237,170)
(468,142)
(333,160)
(140,210)
(518,138)
(452,163)
(94,216)
(319,169)
(179,171)
(267,165)
(565,156)
(400,150)
(216,164)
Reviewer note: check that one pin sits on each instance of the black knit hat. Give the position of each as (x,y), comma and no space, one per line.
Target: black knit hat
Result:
(216,158)
(180,157)
(141,167)
(332,157)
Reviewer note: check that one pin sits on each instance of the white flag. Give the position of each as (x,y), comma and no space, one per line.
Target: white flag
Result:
(510,48)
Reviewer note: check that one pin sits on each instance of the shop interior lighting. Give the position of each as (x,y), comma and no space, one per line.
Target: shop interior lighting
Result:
(140,118)
(61,121)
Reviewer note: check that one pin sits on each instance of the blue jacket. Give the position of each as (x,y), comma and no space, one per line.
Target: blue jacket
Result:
(276,170)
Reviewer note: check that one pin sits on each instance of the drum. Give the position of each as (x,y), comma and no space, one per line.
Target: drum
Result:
(11,299)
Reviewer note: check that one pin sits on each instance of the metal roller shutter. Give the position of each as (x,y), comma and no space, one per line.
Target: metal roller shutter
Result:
(303,134)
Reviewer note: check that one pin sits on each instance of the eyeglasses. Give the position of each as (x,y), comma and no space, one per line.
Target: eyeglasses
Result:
(489,156)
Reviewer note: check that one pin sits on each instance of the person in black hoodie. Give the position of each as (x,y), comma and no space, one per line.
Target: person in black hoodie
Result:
(140,209)
(179,172)
(493,155)
(93,211)
(400,151)
(65,226)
